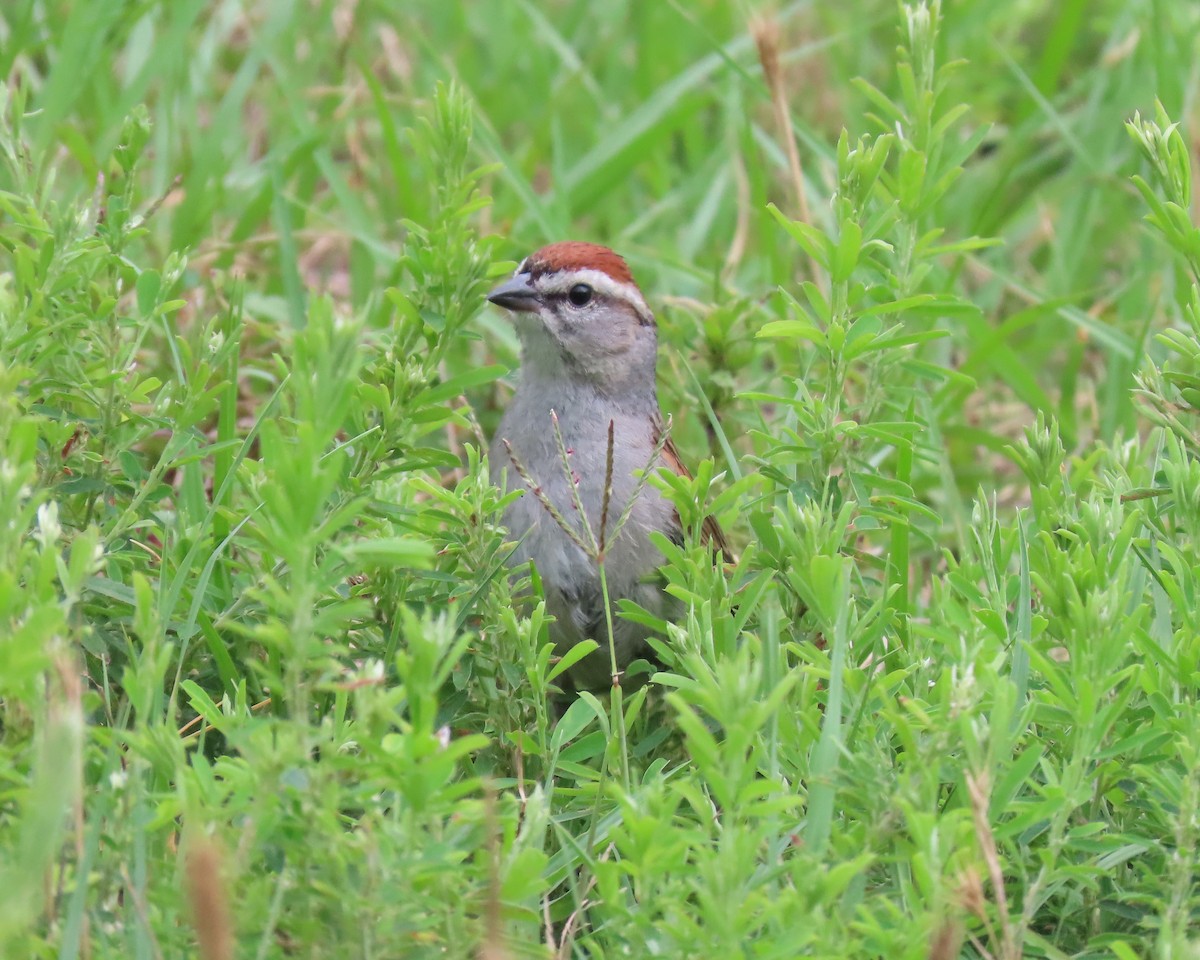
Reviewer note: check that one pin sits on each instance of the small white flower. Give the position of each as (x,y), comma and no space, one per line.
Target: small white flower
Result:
(963,689)
(48,527)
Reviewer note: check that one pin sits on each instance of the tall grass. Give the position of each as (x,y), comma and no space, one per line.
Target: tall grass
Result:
(927,287)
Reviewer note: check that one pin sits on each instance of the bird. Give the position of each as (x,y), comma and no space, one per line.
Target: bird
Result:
(586,385)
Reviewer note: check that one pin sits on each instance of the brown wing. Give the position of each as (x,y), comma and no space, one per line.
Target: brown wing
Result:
(710,532)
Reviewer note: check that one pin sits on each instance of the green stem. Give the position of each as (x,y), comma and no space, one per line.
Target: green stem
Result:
(595,818)
(618,711)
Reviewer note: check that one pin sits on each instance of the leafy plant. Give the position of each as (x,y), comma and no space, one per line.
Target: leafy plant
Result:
(267,684)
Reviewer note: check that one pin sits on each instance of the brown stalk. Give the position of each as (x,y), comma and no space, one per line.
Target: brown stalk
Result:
(572,924)
(199,718)
(143,913)
(176,181)
(548,923)
(66,708)
(573,483)
(978,789)
(947,941)
(1142,495)
(608,476)
(655,457)
(209,899)
(765,31)
(741,230)
(544,500)
(492,946)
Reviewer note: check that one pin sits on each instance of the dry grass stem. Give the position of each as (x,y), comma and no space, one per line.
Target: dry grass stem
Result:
(655,458)
(741,230)
(492,945)
(573,484)
(209,900)
(766,37)
(138,898)
(608,478)
(979,791)
(544,500)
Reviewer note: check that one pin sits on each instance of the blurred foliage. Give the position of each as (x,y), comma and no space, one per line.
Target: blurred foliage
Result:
(261,668)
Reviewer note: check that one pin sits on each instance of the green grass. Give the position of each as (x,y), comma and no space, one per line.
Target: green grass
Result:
(264,690)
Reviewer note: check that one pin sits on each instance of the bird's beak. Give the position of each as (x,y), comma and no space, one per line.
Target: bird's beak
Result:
(516,294)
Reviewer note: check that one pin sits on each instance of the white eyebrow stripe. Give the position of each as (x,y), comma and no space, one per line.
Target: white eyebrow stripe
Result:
(561,281)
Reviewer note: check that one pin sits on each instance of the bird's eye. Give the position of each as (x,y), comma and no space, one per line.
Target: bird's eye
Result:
(580,295)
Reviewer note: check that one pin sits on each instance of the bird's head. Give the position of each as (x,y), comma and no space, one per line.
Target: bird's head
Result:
(579,314)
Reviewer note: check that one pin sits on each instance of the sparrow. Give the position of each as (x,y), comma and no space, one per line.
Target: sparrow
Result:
(589,345)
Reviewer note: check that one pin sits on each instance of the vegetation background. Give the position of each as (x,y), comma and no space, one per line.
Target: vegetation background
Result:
(263,689)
